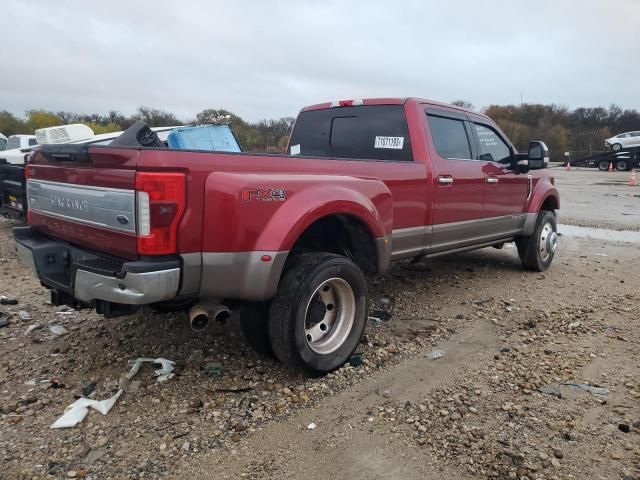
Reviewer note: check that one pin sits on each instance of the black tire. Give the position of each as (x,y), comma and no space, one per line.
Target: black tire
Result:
(299,301)
(616,147)
(603,165)
(254,318)
(622,165)
(537,251)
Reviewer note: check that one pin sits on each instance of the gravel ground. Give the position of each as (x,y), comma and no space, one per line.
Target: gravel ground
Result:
(499,404)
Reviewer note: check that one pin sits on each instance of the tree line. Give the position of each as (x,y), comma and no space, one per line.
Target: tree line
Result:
(262,136)
(581,130)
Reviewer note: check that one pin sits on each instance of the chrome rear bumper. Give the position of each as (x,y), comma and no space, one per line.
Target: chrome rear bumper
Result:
(84,277)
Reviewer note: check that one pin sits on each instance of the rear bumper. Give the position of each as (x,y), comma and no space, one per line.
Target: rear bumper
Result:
(86,278)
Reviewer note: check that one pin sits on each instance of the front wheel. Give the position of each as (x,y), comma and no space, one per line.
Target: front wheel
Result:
(616,147)
(537,250)
(319,314)
(603,165)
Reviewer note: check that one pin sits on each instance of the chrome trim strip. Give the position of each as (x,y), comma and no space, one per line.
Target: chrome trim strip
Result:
(241,275)
(139,288)
(110,208)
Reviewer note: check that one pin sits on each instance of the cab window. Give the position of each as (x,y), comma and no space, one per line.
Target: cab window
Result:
(491,147)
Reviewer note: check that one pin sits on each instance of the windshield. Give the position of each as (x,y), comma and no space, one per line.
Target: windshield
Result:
(13,142)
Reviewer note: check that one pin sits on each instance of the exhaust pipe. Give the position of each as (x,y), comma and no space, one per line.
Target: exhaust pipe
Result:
(220,314)
(198,318)
(200,315)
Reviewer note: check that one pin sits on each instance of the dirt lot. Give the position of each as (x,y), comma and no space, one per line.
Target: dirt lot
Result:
(509,399)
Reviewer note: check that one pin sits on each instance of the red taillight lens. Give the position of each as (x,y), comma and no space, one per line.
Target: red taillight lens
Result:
(160,201)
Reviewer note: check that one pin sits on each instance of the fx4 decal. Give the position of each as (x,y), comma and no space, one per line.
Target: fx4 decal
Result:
(264,194)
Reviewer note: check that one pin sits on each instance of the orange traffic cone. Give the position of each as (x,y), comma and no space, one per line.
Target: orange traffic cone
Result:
(568,167)
(611,166)
(633,181)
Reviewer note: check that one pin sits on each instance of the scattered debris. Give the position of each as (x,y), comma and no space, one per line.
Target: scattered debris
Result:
(435,354)
(8,301)
(600,255)
(234,389)
(379,316)
(624,427)
(4,322)
(164,373)
(24,315)
(58,330)
(31,328)
(589,388)
(355,360)
(213,370)
(75,413)
(311,426)
(88,389)
(551,389)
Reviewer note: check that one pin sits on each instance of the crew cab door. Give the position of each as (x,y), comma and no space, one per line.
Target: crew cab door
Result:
(458,180)
(506,191)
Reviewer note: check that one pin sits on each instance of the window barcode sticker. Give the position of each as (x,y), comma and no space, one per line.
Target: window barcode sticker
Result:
(395,143)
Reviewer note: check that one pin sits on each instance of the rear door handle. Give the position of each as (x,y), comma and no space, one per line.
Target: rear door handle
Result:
(492,180)
(445,180)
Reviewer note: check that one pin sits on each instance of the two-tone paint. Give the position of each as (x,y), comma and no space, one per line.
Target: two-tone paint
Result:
(429,206)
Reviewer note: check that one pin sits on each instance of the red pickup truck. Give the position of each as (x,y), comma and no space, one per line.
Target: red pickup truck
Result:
(293,237)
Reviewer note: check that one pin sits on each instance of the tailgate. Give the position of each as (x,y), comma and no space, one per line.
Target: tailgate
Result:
(86,196)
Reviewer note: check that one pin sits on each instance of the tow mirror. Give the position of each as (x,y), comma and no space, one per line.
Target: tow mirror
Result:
(538,156)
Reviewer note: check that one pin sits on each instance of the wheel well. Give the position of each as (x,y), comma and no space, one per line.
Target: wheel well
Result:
(342,235)
(550,203)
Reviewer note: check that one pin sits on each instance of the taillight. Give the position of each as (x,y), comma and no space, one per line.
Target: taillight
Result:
(160,203)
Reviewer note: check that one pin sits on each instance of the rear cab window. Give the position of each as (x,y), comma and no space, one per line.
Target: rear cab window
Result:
(365,132)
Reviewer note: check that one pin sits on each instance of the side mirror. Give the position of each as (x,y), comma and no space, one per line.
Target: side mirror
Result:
(538,156)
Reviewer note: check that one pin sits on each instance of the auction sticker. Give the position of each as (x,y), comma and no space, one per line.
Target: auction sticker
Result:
(394,143)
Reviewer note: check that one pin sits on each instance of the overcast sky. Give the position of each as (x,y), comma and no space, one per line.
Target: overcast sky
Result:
(265,59)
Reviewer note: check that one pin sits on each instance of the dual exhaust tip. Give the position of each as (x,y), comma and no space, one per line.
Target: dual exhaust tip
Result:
(200,316)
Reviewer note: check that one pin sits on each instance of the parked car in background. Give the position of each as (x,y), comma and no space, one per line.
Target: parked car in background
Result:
(13,153)
(3,142)
(623,141)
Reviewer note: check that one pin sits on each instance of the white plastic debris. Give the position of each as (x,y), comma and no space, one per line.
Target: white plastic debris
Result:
(58,330)
(311,426)
(75,413)
(433,354)
(164,373)
(24,315)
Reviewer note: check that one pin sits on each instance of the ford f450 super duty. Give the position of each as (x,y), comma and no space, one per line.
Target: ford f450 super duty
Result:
(290,237)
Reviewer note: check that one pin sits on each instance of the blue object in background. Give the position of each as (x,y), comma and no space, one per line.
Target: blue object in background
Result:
(216,138)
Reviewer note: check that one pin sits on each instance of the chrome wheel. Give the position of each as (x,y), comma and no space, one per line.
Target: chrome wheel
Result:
(548,242)
(329,316)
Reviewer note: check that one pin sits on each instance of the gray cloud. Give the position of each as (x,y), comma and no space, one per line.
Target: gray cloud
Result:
(267,59)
